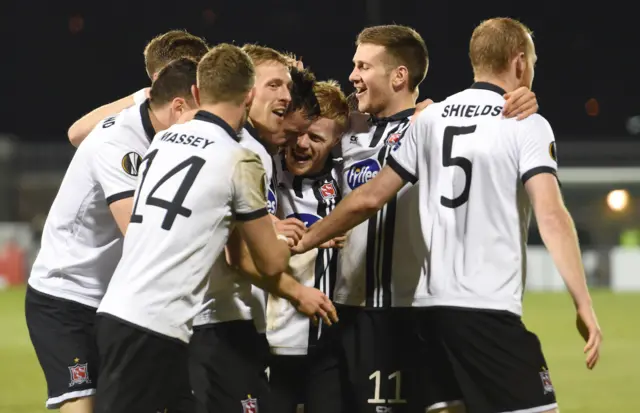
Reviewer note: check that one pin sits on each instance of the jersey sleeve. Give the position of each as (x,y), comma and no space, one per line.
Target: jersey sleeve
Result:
(249,190)
(115,169)
(537,149)
(404,155)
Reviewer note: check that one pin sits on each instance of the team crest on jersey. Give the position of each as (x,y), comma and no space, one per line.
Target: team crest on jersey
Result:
(272,202)
(546,381)
(79,373)
(362,172)
(393,139)
(552,151)
(250,405)
(307,219)
(328,191)
(131,163)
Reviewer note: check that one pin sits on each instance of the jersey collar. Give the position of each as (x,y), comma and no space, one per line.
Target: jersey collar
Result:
(376,121)
(254,133)
(205,116)
(488,86)
(146,120)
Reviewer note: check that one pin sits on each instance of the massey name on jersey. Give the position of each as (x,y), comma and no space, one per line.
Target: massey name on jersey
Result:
(184,139)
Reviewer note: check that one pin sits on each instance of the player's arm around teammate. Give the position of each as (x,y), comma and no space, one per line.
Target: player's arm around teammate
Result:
(158,53)
(521,103)
(309,301)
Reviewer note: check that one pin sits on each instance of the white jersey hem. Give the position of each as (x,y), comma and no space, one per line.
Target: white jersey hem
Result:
(207,316)
(477,303)
(62,293)
(289,351)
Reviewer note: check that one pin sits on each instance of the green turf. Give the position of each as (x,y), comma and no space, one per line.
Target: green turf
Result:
(614,386)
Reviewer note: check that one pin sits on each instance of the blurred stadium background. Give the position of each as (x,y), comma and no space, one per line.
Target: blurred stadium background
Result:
(65,58)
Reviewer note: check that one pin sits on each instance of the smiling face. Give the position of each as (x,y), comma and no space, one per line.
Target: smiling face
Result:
(371,77)
(308,153)
(272,97)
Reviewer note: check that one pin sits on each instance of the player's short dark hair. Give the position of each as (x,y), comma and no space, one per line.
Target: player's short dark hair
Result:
(174,80)
(170,46)
(302,94)
(225,74)
(405,47)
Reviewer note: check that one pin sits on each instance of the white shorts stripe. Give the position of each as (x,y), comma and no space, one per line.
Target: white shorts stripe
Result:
(442,405)
(56,402)
(538,409)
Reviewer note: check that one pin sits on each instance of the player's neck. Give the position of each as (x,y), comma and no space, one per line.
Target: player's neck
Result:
(271,149)
(158,120)
(229,113)
(401,101)
(502,81)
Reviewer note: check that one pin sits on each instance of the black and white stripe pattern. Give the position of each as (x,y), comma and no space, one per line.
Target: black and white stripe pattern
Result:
(311,198)
(381,227)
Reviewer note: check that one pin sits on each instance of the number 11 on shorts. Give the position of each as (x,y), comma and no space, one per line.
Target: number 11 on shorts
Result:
(397,375)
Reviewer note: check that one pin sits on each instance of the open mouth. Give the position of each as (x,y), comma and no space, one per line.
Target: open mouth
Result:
(360,91)
(278,112)
(300,157)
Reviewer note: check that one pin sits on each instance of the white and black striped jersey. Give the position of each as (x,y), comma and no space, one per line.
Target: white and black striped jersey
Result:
(472,164)
(233,297)
(81,242)
(378,266)
(308,198)
(196,182)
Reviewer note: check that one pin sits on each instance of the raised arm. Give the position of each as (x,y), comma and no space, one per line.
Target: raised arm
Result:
(81,128)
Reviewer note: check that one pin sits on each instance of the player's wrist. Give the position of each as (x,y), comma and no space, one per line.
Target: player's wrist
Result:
(583,302)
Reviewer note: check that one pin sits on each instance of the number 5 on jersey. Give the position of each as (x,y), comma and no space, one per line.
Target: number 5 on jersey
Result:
(173,207)
(447,148)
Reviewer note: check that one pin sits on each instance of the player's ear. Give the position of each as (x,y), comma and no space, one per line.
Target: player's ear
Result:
(249,99)
(400,77)
(179,105)
(520,64)
(195,92)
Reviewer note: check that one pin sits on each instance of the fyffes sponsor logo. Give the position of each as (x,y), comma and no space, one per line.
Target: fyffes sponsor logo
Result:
(362,172)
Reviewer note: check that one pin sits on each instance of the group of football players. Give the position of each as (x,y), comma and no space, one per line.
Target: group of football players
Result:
(242,237)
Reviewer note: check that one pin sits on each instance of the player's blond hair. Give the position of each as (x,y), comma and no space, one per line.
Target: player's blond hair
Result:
(170,46)
(495,42)
(262,54)
(225,74)
(404,46)
(333,103)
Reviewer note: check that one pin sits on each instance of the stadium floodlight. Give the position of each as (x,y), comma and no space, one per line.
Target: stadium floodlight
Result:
(618,199)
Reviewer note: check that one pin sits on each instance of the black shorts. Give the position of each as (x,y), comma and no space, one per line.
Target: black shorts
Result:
(486,358)
(309,384)
(141,371)
(63,336)
(227,367)
(378,349)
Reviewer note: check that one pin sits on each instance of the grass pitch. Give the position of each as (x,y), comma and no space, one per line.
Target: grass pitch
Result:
(613,386)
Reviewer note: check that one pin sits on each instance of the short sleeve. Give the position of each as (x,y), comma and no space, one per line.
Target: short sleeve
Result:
(116,167)
(404,155)
(249,190)
(536,149)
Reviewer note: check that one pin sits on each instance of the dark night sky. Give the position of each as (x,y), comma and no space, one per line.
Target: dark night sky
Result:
(52,76)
